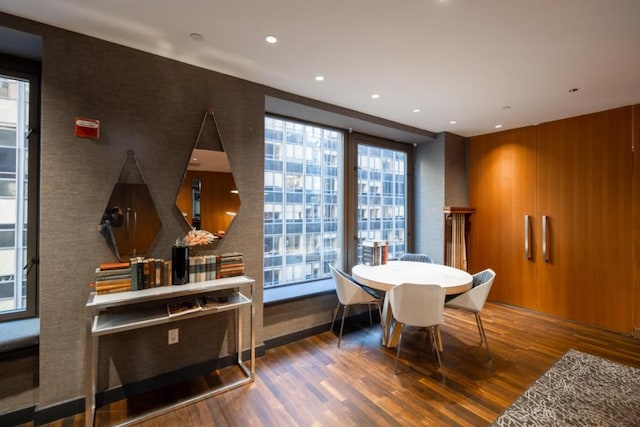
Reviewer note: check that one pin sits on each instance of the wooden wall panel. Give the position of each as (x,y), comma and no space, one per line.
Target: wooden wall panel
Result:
(502,190)
(636,217)
(584,187)
(579,173)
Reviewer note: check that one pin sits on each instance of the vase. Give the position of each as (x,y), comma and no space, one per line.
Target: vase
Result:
(179,265)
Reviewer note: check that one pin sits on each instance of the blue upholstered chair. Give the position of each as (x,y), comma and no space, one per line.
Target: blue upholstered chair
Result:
(415,257)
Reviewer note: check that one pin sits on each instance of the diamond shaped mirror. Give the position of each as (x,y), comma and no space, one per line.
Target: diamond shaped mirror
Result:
(208,198)
(130,223)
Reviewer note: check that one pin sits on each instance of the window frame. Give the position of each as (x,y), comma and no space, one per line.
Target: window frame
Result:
(28,70)
(351,191)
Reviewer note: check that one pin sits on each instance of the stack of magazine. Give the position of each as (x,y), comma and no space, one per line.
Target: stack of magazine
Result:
(198,303)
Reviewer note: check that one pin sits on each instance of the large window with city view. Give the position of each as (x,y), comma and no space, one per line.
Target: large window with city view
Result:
(382,197)
(304,194)
(303,201)
(17,292)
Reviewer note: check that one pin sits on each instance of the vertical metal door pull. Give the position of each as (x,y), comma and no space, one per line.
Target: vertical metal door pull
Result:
(545,250)
(527,236)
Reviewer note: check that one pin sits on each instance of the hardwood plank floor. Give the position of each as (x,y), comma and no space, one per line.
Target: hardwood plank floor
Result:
(313,383)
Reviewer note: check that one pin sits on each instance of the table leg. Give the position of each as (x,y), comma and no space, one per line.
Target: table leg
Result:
(390,328)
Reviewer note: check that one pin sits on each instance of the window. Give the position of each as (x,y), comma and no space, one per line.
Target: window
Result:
(18,194)
(382,197)
(307,183)
(302,201)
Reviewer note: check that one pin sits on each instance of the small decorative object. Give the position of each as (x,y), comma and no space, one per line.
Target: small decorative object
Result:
(197,237)
(180,264)
(180,253)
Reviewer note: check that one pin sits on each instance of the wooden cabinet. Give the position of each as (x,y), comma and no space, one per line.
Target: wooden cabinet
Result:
(577,175)
(502,180)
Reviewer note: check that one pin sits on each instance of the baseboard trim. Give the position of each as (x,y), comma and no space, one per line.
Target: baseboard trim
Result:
(15,418)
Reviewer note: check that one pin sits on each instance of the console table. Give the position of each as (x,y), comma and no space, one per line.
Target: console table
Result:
(124,311)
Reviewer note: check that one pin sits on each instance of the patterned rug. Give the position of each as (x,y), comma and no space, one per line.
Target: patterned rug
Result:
(579,390)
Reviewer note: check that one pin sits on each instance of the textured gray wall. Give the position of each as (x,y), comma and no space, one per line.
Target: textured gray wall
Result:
(456,171)
(155,107)
(441,180)
(429,164)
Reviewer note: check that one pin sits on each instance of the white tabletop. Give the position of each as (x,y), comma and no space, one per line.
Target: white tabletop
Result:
(385,277)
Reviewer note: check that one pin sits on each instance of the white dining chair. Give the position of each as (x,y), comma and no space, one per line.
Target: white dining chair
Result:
(351,293)
(474,299)
(421,306)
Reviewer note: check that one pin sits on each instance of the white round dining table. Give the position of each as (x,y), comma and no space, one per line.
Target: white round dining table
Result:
(384,277)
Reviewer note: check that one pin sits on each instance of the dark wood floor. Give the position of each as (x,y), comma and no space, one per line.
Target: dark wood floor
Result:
(313,383)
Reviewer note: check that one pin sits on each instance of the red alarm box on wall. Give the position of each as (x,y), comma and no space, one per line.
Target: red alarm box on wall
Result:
(87,128)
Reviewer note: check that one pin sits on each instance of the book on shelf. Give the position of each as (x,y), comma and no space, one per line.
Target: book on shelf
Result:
(115,286)
(152,272)
(113,265)
(112,272)
(230,264)
(167,273)
(182,307)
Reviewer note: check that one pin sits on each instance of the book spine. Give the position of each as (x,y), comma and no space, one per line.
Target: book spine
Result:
(145,274)
(134,274)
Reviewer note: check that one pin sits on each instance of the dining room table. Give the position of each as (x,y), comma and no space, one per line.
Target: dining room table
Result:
(385,277)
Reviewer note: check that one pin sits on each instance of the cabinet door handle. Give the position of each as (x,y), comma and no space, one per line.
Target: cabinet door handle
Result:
(128,210)
(545,249)
(527,236)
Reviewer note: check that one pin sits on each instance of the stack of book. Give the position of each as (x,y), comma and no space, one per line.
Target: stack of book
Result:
(202,267)
(230,265)
(113,277)
(375,252)
(150,273)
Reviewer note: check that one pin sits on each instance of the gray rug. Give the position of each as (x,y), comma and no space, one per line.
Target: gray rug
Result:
(579,390)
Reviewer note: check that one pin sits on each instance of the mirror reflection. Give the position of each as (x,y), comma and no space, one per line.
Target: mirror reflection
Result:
(130,222)
(208,198)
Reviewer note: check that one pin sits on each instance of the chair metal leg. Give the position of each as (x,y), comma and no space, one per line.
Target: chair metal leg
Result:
(395,367)
(435,340)
(370,318)
(344,313)
(483,335)
(335,315)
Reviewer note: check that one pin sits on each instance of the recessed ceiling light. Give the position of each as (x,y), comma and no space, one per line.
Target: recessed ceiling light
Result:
(271,39)
(498,126)
(452,122)
(197,37)
(575,89)
(506,107)
(375,96)
(416,110)
(319,78)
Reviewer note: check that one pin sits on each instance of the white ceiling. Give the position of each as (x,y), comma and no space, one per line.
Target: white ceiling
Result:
(479,62)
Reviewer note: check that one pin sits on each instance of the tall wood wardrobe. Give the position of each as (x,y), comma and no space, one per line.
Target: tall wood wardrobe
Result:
(554,217)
